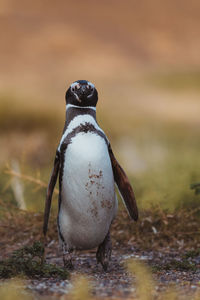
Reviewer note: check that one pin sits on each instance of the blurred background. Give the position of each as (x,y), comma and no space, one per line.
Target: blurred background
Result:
(142,56)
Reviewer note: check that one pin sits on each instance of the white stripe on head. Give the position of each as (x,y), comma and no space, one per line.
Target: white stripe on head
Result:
(76,106)
(73,86)
(91,84)
(77,121)
(77,85)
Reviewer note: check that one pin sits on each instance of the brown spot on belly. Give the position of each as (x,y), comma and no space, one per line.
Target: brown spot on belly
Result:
(93,175)
(94,179)
(106,204)
(94,210)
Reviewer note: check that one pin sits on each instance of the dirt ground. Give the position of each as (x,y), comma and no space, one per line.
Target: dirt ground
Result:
(170,253)
(118,282)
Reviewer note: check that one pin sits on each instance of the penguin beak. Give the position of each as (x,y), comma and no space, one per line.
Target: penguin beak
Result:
(83,91)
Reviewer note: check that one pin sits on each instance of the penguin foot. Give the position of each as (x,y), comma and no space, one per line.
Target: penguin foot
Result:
(104,252)
(68,264)
(67,258)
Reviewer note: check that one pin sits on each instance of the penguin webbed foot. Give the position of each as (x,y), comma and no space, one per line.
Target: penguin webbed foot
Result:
(67,258)
(68,264)
(104,251)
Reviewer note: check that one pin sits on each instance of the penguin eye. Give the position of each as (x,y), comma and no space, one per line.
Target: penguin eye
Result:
(73,89)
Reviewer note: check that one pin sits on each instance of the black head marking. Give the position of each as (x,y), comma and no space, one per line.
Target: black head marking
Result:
(82,93)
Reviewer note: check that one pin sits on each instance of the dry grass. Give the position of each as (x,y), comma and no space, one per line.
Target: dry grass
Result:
(155,229)
(145,288)
(14,289)
(81,289)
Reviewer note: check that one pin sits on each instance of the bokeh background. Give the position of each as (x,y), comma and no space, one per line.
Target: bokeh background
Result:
(142,56)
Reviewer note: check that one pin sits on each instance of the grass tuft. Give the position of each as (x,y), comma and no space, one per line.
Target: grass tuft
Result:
(175,265)
(196,188)
(27,261)
(192,253)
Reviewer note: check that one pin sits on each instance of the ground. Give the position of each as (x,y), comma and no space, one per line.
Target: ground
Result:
(166,262)
(118,282)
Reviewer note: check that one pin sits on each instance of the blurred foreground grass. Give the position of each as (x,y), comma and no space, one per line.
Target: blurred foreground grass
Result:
(81,288)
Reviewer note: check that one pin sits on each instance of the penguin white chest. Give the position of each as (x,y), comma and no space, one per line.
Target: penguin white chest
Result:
(88,201)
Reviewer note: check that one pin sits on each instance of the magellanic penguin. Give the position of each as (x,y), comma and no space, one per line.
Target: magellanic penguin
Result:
(88,171)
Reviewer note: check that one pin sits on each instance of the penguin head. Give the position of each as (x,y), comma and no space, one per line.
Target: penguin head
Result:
(82,93)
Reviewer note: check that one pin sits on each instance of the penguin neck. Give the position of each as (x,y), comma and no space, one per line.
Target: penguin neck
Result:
(72,111)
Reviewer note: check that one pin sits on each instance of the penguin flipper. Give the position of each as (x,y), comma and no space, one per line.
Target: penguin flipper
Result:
(124,186)
(50,189)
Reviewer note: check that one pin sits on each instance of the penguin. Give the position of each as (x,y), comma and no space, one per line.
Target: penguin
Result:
(88,172)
